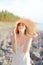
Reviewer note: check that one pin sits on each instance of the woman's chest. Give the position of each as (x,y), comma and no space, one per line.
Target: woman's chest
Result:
(21,40)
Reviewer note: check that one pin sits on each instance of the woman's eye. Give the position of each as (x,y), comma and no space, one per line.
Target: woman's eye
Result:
(22,24)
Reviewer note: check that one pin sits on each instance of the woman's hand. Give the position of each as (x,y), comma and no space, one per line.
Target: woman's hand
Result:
(34,35)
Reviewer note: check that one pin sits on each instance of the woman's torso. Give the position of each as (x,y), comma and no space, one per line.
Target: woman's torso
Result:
(20,57)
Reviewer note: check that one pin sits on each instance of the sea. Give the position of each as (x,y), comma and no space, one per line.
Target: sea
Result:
(39,26)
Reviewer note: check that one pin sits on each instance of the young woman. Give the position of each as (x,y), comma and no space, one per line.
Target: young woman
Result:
(22,37)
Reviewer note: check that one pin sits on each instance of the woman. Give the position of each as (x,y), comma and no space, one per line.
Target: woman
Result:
(22,36)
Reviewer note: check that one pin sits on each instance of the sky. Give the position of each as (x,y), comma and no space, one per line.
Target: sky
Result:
(30,9)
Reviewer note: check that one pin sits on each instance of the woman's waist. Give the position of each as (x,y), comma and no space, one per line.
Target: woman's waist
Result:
(21,55)
(20,58)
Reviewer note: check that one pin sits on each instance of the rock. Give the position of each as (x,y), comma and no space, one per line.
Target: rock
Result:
(34,58)
(1,63)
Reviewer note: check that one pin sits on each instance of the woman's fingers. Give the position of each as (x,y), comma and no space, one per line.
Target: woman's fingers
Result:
(35,35)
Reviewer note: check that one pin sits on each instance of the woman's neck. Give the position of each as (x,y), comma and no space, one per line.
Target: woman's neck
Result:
(22,33)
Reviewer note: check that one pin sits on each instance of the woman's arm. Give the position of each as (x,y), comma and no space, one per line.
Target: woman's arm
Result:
(13,42)
(34,35)
(27,46)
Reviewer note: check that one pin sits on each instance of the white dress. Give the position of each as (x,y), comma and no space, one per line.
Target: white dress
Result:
(20,58)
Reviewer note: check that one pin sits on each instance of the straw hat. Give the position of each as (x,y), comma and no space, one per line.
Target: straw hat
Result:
(31,26)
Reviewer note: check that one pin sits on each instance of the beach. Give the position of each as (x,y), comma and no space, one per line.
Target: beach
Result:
(36,51)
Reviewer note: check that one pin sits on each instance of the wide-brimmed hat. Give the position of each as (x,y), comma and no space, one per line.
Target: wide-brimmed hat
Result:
(31,26)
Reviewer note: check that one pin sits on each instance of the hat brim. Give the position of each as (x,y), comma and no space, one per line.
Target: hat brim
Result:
(31,26)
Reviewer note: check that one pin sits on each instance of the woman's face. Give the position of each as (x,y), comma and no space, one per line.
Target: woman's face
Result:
(21,27)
